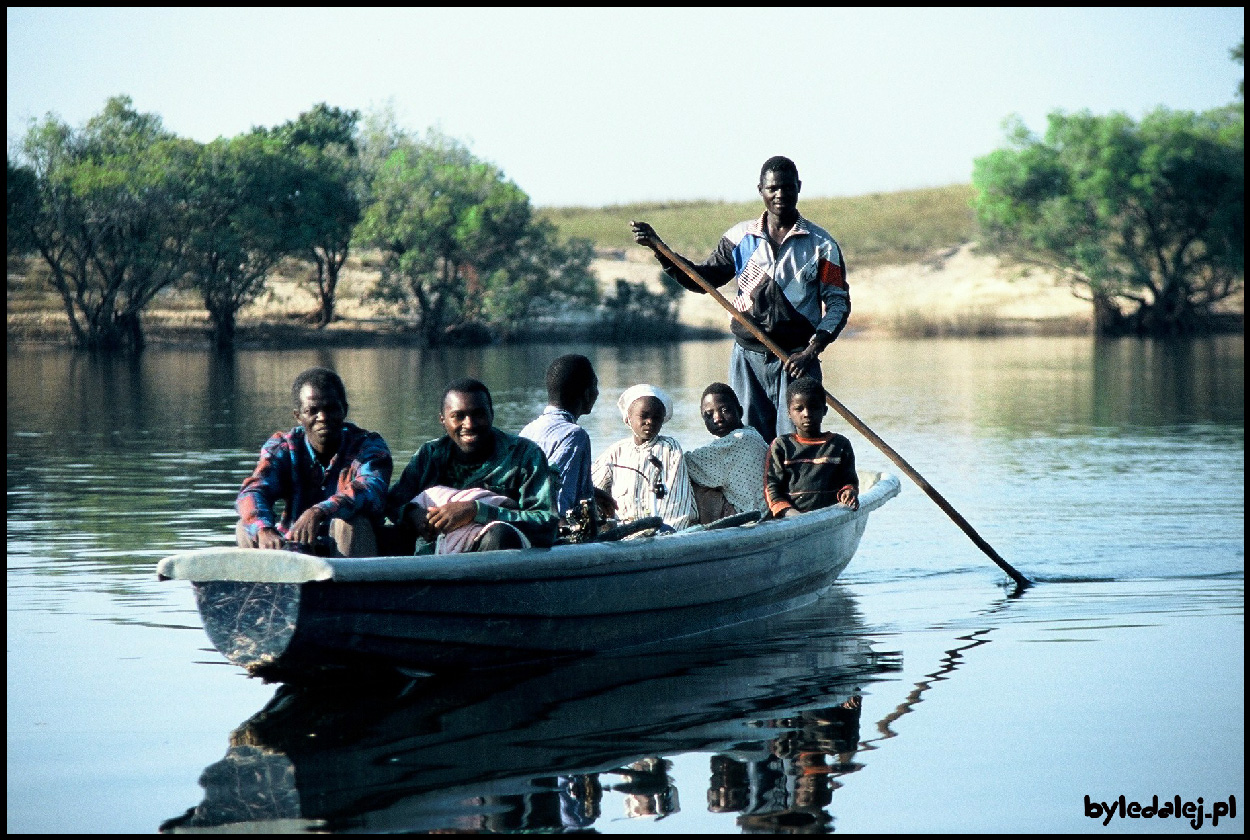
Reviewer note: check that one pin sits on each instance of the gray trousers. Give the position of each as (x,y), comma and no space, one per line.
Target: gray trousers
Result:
(353,537)
(760,381)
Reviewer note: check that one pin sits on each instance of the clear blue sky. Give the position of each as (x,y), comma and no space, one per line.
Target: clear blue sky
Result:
(607,106)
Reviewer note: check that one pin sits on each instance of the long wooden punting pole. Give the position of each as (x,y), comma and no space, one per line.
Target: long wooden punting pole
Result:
(856,423)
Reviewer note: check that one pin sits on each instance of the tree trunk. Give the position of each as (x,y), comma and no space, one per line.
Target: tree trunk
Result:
(327,307)
(1108,319)
(222,334)
(61,282)
(1170,315)
(326,279)
(132,331)
(328,292)
(111,333)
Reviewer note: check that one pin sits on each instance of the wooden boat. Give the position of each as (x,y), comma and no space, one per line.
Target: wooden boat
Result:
(285,616)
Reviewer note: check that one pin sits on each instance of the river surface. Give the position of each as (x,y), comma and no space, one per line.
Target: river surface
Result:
(918,695)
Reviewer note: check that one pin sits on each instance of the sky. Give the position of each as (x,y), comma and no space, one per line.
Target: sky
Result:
(594,107)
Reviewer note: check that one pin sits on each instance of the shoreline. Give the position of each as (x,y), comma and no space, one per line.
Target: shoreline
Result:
(357,335)
(955,292)
(41,333)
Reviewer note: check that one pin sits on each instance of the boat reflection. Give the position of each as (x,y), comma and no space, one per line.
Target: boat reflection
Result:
(774,702)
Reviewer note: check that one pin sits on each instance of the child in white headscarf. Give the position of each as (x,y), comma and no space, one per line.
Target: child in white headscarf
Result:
(645,473)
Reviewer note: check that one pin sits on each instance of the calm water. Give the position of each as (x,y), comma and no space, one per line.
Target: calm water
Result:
(1113,473)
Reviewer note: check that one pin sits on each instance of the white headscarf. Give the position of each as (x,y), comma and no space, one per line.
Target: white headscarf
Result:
(631,394)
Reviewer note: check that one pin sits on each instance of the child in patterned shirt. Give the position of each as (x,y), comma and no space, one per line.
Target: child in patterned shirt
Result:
(809,468)
(645,473)
(728,473)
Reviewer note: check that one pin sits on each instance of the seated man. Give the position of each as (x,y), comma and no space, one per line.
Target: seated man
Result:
(728,473)
(572,389)
(645,473)
(330,475)
(809,468)
(474,454)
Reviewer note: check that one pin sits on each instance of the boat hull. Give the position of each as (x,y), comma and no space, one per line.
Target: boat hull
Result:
(472,611)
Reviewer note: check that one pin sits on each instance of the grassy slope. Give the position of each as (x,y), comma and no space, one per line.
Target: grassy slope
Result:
(877,229)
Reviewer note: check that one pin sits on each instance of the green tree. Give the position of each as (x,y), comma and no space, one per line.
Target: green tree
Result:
(327,200)
(459,241)
(1146,219)
(1239,55)
(110,218)
(23,191)
(540,274)
(379,136)
(634,312)
(244,224)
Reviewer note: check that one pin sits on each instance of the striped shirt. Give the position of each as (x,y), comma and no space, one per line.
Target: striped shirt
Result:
(790,291)
(628,474)
(355,480)
(808,473)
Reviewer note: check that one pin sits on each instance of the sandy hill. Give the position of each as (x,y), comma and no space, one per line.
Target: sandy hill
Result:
(955,291)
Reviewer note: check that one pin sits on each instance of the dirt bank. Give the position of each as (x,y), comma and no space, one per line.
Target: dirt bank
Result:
(956,291)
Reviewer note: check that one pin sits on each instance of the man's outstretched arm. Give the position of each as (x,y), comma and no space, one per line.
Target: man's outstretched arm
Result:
(717,270)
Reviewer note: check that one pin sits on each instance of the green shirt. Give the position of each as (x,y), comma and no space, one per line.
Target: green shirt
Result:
(517,469)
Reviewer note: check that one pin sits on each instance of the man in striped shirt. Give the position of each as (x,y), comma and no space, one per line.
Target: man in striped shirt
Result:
(791,283)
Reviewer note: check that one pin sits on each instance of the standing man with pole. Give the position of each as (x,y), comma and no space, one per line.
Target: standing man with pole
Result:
(673,261)
(791,284)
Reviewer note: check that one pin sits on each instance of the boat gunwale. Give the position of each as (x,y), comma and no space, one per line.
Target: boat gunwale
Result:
(277,566)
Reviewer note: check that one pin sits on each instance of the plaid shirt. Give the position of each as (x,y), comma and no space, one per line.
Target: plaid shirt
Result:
(354,482)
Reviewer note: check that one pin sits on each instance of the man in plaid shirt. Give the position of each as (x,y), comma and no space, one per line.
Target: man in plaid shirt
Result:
(330,475)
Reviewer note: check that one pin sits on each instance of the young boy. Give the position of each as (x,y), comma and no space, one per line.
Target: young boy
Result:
(645,474)
(728,473)
(572,390)
(809,469)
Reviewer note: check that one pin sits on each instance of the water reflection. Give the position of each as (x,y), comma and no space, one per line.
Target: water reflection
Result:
(193,400)
(785,789)
(1159,383)
(775,703)
(1079,460)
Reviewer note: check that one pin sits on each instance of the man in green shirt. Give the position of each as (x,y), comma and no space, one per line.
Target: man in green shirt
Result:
(474,454)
